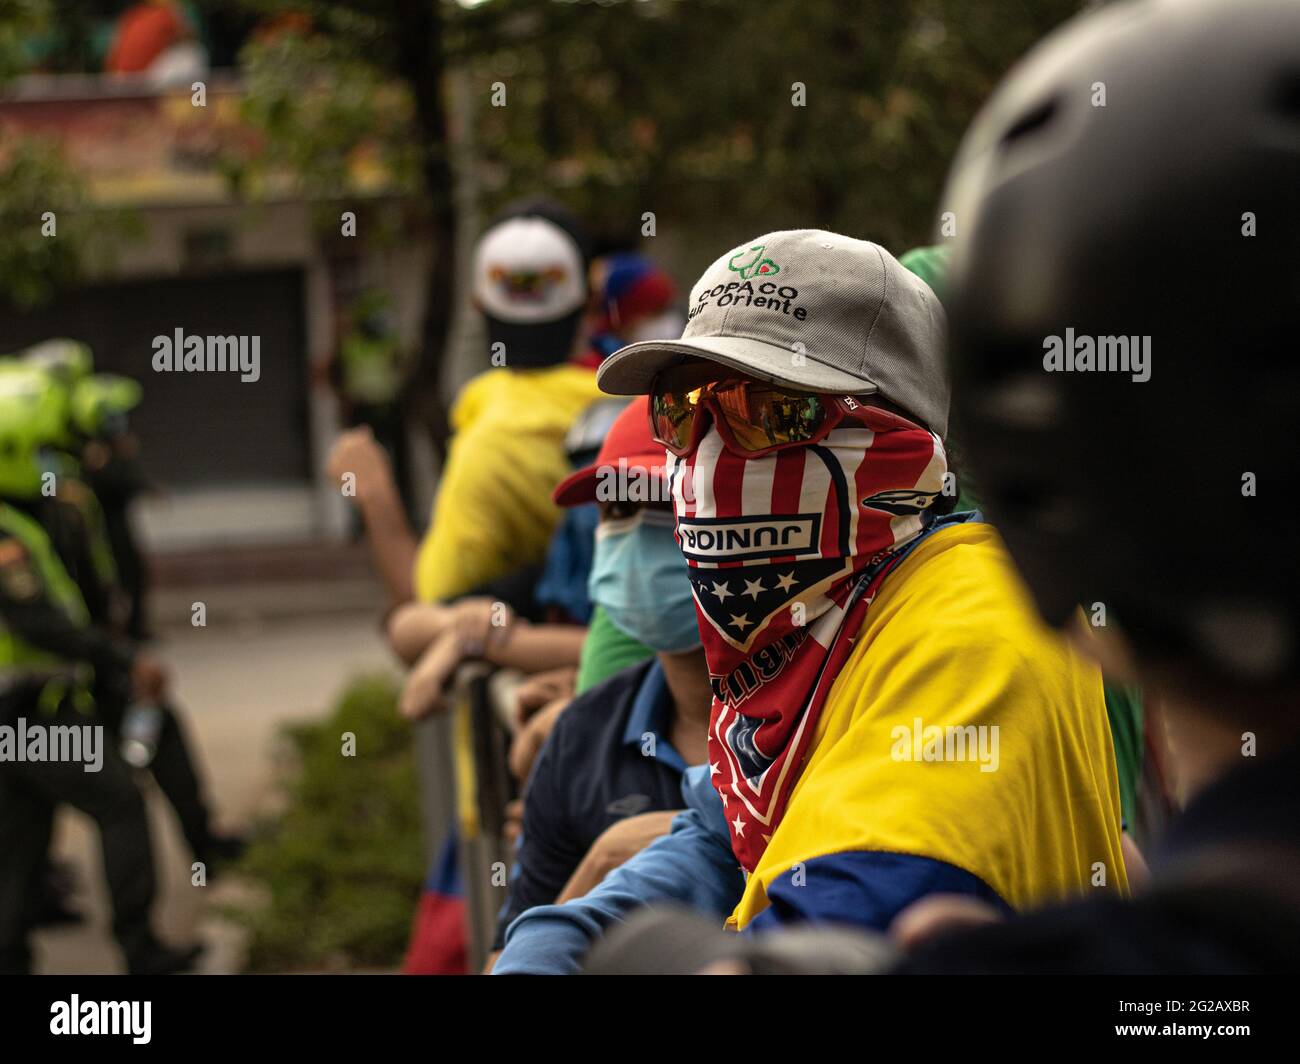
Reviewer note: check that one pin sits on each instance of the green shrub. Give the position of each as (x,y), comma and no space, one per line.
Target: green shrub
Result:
(342,865)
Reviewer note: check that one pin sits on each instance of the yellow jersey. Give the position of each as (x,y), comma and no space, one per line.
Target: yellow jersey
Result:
(493,511)
(963,730)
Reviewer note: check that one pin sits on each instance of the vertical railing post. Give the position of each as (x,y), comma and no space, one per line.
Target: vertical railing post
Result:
(483,788)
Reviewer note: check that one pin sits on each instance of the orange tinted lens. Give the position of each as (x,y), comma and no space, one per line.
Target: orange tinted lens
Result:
(761,416)
(673,416)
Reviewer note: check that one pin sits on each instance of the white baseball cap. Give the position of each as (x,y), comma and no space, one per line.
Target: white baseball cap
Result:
(529,271)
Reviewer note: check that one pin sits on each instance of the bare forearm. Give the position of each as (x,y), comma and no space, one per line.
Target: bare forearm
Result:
(619,844)
(537,647)
(392,543)
(413,627)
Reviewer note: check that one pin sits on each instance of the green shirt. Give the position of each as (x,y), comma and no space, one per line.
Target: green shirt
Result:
(1124,708)
(605,651)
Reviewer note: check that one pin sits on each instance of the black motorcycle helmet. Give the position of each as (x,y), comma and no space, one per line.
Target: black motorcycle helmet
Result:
(1131,220)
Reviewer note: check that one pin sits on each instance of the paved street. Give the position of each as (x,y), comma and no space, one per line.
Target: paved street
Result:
(268,655)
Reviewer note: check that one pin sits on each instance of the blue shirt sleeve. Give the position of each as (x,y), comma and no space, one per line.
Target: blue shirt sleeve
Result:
(692,865)
(863,888)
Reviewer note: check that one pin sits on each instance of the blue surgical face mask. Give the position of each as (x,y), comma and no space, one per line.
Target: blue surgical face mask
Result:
(638,576)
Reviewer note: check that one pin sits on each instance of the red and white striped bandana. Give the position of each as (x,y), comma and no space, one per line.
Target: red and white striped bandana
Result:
(786,551)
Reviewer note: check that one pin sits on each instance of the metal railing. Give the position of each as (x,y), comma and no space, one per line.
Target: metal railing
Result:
(466,781)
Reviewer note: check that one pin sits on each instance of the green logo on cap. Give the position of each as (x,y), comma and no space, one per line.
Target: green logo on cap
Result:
(756,265)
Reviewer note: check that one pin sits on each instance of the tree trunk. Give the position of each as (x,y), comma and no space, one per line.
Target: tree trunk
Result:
(421,63)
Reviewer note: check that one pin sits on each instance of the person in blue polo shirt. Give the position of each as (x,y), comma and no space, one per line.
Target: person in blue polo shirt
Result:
(608,780)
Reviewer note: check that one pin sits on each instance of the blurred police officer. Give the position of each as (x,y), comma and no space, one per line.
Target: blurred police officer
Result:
(110,467)
(51,659)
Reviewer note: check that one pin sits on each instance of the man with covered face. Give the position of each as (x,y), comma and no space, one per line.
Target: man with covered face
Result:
(891,719)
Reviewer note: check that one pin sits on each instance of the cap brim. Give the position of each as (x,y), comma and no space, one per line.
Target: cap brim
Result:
(584,485)
(631,370)
(576,488)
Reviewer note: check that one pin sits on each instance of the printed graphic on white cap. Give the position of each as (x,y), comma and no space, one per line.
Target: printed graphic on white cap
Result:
(528,271)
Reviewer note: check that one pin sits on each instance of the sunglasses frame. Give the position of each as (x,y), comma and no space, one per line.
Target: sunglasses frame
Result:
(837,407)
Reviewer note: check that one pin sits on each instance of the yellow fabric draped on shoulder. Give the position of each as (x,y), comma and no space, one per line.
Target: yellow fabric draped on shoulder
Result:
(961,729)
(493,510)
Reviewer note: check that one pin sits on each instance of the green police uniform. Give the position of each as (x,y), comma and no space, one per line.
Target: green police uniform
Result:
(49,656)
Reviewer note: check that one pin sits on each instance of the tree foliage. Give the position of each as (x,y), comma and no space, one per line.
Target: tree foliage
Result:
(53,237)
(330,121)
(680,107)
(685,107)
(52,234)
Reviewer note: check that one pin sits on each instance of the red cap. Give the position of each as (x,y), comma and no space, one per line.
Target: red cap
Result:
(628,442)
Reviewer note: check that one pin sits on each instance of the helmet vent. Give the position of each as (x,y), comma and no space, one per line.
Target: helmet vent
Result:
(1032,121)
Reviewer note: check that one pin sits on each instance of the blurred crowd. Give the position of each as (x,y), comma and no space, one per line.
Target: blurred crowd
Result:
(692,594)
(776,671)
(781,697)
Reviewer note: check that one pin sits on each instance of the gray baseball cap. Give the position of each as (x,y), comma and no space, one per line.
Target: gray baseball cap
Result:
(814,311)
